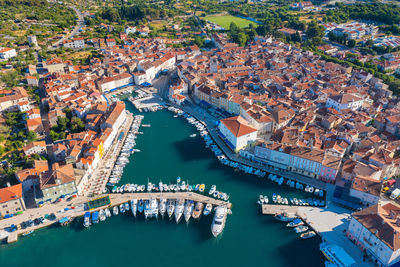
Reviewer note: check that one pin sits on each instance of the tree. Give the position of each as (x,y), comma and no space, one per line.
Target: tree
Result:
(351,43)
(242,38)
(315,30)
(31,136)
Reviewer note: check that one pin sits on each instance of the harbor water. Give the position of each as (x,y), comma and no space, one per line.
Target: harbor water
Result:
(167,151)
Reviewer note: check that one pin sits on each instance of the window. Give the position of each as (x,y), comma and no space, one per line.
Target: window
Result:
(4,206)
(17,209)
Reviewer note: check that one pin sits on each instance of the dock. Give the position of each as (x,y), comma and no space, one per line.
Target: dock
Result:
(12,237)
(270,209)
(117,199)
(148,102)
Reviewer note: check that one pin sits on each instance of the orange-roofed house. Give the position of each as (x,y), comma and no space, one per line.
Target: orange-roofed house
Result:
(6,53)
(32,80)
(35,125)
(237,132)
(11,200)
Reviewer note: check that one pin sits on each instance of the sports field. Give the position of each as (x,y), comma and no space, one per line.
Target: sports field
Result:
(225,21)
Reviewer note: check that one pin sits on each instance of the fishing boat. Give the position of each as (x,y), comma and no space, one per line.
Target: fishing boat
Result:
(207,209)
(284,217)
(95,217)
(296,222)
(188,210)
(115,210)
(122,208)
(197,210)
(170,207)
(86,219)
(180,204)
(307,235)
(218,223)
(140,206)
(300,229)
(163,207)
(134,206)
(108,213)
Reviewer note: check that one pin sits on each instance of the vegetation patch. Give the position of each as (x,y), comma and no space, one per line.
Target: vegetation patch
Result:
(226,20)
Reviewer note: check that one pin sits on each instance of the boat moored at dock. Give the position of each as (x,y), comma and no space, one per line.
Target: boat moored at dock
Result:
(86,219)
(218,223)
(197,210)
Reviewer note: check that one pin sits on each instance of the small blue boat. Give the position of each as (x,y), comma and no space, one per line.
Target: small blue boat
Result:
(95,217)
(64,221)
(178,179)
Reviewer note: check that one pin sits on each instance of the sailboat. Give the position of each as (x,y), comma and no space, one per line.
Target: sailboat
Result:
(188,210)
(163,206)
(170,207)
(134,206)
(180,204)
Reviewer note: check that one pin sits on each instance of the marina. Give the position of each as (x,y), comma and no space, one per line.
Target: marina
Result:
(171,156)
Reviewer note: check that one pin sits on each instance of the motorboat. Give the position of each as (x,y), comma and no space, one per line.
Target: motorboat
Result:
(122,208)
(102,215)
(170,207)
(307,235)
(198,209)
(163,206)
(189,206)
(212,190)
(108,213)
(180,204)
(218,223)
(207,210)
(95,217)
(115,210)
(301,229)
(134,206)
(86,220)
(140,206)
(296,222)
(126,206)
(284,217)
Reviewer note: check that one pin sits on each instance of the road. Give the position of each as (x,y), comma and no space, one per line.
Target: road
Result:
(79,23)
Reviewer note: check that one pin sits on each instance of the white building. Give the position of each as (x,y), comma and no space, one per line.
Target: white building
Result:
(376,231)
(117,81)
(237,133)
(344,101)
(129,30)
(76,43)
(6,53)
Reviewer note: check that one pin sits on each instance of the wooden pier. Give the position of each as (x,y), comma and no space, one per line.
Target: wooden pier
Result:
(117,199)
(271,209)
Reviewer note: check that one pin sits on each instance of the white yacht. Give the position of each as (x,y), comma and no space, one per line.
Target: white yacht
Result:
(102,215)
(108,213)
(170,207)
(115,210)
(150,209)
(212,190)
(134,206)
(218,223)
(188,210)
(163,206)
(180,204)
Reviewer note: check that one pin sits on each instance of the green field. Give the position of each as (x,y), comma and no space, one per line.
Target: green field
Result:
(225,21)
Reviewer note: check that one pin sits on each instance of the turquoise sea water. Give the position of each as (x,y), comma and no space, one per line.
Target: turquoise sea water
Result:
(167,151)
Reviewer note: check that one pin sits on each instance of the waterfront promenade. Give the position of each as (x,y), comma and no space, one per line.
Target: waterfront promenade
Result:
(209,122)
(78,204)
(98,180)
